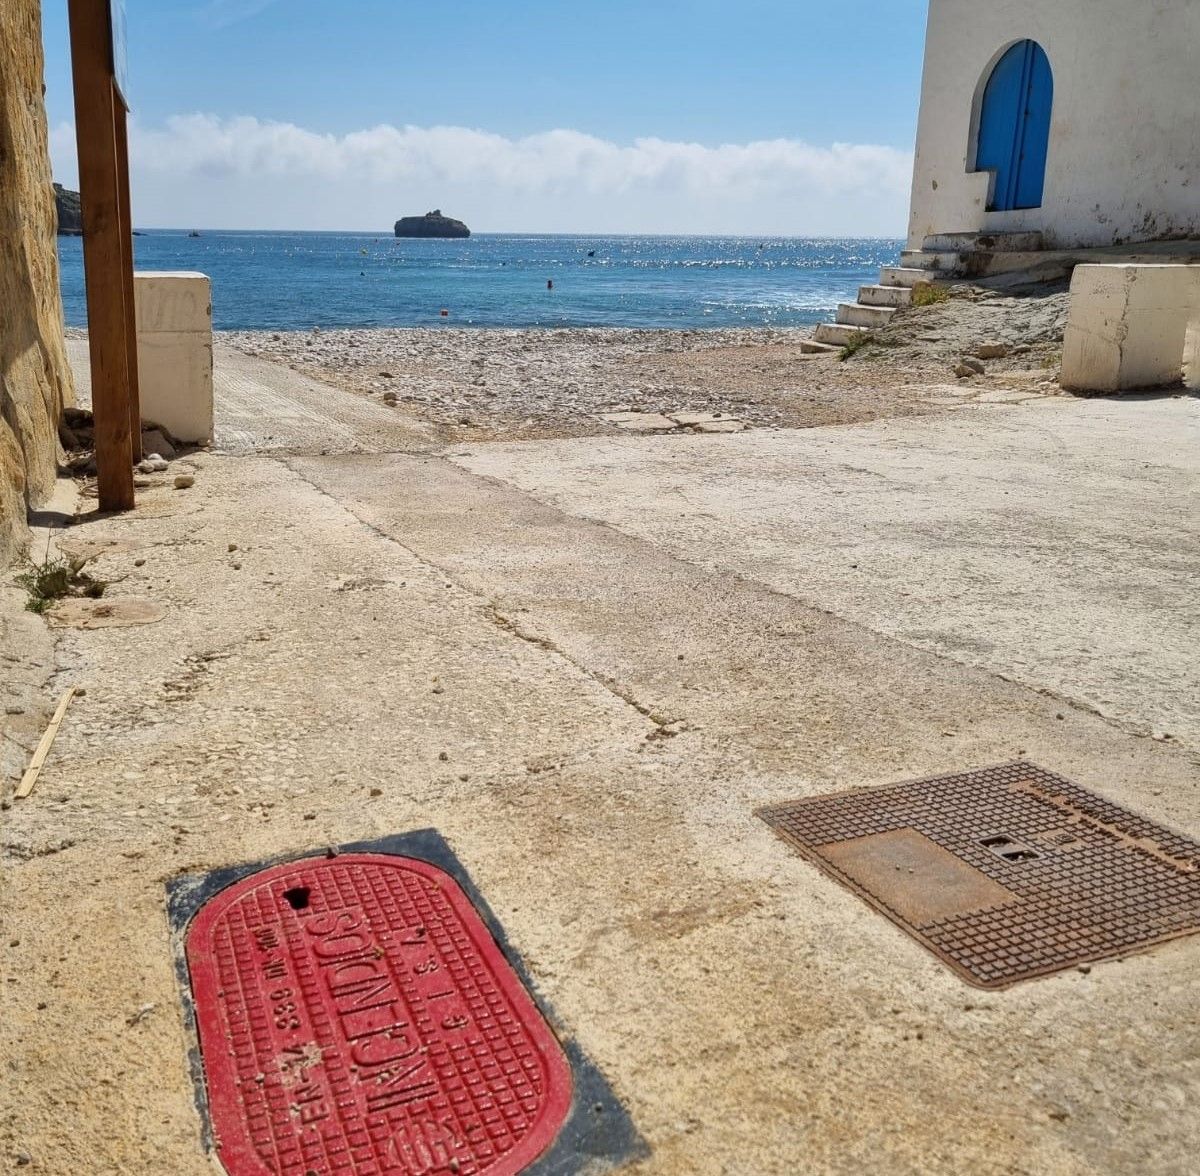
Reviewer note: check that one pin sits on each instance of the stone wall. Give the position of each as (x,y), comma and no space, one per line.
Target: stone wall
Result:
(35,380)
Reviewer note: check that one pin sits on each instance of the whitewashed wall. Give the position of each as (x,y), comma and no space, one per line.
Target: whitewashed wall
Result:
(1124,160)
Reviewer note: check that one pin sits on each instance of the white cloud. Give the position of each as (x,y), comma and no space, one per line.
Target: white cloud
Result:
(242,172)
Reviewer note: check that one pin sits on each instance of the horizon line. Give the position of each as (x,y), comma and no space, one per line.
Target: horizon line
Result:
(534,233)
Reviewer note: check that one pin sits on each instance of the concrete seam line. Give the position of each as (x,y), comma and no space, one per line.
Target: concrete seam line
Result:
(715,569)
(490,608)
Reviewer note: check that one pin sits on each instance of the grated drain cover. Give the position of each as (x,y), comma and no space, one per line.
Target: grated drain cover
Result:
(356,1018)
(1005,873)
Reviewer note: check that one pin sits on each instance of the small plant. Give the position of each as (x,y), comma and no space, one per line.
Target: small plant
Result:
(55,578)
(927,294)
(855,344)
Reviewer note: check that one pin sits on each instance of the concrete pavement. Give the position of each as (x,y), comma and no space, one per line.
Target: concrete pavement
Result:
(1056,544)
(615,682)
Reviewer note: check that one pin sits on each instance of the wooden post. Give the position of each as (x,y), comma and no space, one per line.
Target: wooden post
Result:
(106,249)
(135,398)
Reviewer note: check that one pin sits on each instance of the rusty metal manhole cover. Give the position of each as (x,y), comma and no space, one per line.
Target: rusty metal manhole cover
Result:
(357,1018)
(1005,873)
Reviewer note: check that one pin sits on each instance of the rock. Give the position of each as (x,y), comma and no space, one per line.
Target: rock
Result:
(389,398)
(639,422)
(36,380)
(184,481)
(152,463)
(991,351)
(155,441)
(70,212)
(968,368)
(697,418)
(432,224)
(729,426)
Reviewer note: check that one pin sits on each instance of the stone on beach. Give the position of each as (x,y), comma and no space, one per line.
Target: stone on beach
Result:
(639,422)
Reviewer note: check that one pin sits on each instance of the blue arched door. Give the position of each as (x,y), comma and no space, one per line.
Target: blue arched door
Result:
(1014,126)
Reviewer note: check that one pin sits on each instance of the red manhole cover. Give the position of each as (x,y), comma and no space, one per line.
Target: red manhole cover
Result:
(356,1018)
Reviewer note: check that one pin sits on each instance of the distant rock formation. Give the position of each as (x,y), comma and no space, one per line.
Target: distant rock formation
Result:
(70,212)
(432,224)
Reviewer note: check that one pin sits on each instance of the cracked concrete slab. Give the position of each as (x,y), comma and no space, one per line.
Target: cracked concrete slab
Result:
(1058,548)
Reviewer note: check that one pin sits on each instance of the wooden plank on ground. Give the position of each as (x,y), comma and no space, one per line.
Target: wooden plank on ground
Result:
(43,748)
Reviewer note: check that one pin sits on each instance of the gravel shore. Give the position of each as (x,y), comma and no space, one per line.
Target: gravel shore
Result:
(476,384)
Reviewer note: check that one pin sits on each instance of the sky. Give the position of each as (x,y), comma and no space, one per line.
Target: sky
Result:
(764,117)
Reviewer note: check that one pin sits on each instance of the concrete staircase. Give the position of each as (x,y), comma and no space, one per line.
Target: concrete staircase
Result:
(941,257)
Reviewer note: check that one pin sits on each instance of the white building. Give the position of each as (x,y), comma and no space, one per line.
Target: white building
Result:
(1078,119)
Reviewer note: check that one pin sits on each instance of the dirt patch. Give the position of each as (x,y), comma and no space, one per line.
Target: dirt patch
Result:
(106,613)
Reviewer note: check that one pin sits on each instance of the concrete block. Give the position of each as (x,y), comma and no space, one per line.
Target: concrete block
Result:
(838,334)
(172,301)
(720,427)
(899,275)
(691,419)
(1128,326)
(174,323)
(882,295)
(941,263)
(1191,356)
(854,315)
(639,422)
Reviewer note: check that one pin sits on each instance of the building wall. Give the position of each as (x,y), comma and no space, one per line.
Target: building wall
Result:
(1124,161)
(34,377)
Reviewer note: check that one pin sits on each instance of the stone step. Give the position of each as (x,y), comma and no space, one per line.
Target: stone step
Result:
(898,275)
(839,334)
(812,347)
(885,295)
(854,314)
(985,242)
(942,263)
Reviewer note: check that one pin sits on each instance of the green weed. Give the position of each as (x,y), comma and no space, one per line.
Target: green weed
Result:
(55,578)
(927,294)
(857,342)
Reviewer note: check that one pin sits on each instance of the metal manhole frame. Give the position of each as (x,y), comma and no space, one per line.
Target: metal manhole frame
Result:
(771,814)
(597,1127)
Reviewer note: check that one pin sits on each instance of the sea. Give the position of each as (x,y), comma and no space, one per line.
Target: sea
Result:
(296,281)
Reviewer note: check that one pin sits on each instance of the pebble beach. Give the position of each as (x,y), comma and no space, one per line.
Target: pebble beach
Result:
(517,384)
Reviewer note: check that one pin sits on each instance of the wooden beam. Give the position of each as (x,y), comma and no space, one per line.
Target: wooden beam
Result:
(131,354)
(104,252)
(43,748)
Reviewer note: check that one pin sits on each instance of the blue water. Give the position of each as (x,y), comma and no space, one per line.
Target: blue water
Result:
(283,281)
